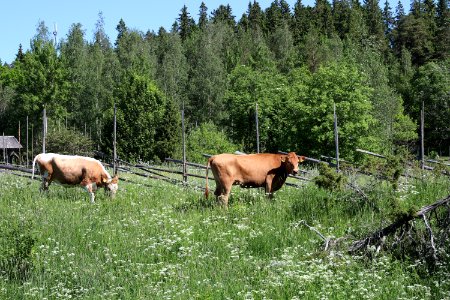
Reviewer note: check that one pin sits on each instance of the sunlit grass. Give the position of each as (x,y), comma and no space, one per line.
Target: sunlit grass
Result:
(164,241)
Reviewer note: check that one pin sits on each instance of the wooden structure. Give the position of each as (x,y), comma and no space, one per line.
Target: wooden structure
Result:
(10,149)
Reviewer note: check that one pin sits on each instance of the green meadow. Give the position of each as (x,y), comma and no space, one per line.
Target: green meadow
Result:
(165,241)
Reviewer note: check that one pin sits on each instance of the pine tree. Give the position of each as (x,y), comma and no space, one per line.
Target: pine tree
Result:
(414,34)
(224,14)
(416,7)
(388,19)
(20,55)
(185,23)
(121,30)
(274,16)
(341,16)
(443,30)
(300,23)
(256,16)
(322,17)
(203,16)
(373,16)
(357,26)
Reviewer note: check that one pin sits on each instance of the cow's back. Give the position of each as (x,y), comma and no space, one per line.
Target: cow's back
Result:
(249,169)
(74,169)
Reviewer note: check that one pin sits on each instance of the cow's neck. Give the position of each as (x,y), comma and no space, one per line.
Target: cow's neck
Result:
(282,173)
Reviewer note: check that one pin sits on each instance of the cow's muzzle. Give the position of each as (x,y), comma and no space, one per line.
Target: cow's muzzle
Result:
(294,172)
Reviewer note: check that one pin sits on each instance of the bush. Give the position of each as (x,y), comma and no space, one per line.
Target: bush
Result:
(209,140)
(68,141)
(329,179)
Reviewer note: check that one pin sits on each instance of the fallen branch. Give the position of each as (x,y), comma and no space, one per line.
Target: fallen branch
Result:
(430,231)
(325,239)
(379,235)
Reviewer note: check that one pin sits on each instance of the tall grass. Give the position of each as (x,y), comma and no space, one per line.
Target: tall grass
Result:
(166,242)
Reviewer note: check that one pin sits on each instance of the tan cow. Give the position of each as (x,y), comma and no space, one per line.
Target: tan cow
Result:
(255,170)
(75,170)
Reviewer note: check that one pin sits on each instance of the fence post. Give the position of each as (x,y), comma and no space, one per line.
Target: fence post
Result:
(257,128)
(115,142)
(44,128)
(20,156)
(422,143)
(184,146)
(27,143)
(4,148)
(32,140)
(336,137)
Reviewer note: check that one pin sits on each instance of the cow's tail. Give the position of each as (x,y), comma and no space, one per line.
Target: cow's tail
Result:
(206,187)
(34,163)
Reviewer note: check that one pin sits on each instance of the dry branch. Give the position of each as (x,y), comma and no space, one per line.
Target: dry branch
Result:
(379,235)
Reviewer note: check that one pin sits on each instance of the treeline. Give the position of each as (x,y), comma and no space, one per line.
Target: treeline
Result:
(376,65)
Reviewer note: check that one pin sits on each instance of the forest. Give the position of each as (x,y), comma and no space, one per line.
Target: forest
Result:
(377,64)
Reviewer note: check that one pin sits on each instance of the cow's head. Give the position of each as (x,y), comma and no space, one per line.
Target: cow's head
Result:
(291,161)
(112,185)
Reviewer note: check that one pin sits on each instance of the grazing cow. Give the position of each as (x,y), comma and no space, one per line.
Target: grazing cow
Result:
(255,170)
(73,170)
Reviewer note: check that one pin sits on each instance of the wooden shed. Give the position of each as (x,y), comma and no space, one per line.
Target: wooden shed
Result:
(9,149)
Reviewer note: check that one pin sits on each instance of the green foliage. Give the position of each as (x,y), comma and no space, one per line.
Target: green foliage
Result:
(294,62)
(207,75)
(143,112)
(68,141)
(207,139)
(39,81)
(329,179)
(431,85)
(413,32)
(247,88)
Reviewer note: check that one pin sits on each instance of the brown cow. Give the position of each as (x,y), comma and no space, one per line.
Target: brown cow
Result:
(255,170)
(73,170)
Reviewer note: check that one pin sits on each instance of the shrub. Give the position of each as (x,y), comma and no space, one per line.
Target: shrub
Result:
(68,141)
(329,179)
(209,140)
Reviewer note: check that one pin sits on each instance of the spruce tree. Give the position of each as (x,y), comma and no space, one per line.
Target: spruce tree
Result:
(301,21)
(224,14)
(203,16)
(374,20)
(322,17)
(443,30)
(185,23)
(256,16)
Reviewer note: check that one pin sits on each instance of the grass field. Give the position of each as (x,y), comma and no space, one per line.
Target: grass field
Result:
(163,241)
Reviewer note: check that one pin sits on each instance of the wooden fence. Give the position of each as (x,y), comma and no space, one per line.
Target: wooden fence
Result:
(171,172)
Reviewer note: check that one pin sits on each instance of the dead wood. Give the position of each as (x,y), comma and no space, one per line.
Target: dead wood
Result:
(378,237)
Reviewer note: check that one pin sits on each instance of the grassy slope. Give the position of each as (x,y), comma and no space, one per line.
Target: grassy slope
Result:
(165,242)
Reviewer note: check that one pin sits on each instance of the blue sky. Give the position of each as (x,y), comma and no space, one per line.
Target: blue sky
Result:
(19,19)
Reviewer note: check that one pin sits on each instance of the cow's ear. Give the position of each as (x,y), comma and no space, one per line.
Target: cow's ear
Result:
(104,180)
(302,159)
(283,158)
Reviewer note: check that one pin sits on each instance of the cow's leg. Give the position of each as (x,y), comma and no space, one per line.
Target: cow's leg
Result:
(269,190)
(225,193)
(90,188)
(220,191)
(220,194)
(46,180)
